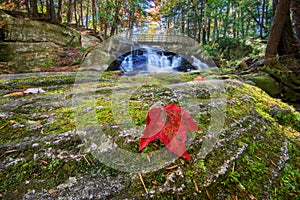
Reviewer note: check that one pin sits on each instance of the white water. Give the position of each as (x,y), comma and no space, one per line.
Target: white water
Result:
(151,61)
(197,63)
(161,63)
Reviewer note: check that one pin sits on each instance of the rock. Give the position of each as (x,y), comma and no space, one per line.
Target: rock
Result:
(98,59)
(88,41)
(24,30)
(28,45)
(22,56)
(248,145)
(243,65)
(24,47)
(268,84)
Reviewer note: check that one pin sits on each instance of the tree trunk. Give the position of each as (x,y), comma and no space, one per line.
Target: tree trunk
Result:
(267,17)
(242,24)
(48,10)
(208,29)
(69,13)
(182,20)
(234,27)
(59,12)
(27,7)
(274,5)
(195,30)
(281,14)
(204,30)
(287,44)
(35,13)
(213,40)
(87,16)
(188,26)
(75,13)
(81,13)
(94,16)
(197,22)
(52,12)
(295,7)
(283,42)
(262,19)
(226,20)
(114,25)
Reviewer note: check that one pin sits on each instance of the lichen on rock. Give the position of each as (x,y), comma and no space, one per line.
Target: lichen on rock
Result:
(255,154)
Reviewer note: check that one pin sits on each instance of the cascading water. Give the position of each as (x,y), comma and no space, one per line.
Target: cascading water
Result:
(176,61)
(160,63)
(198,63)
(149,59)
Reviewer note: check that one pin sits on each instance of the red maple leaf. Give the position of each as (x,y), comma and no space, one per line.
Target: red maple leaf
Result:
(169,124)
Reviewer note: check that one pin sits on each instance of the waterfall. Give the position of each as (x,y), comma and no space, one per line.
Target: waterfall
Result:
(176,61)
(158,63)
(197,63)
(148,59)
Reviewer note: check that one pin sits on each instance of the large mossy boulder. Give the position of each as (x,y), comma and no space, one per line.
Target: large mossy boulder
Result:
(268,84)
(27,57)
(248,146)
(29,45)
(25,30)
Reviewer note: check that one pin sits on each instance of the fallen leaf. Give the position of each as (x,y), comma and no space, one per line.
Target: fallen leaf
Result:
(154,182)
(14,94)
(52,191)
(199,78)
(169,124)
(33,90)
(1,195)
(43,162)
(25,91)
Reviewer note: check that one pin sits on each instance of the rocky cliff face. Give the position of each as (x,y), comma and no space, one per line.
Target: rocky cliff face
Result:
(28,45)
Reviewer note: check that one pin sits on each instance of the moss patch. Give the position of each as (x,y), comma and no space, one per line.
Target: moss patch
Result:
(40,151)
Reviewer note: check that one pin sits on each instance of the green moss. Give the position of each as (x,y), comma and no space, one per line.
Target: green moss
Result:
(267,125)
(287,184)
(29,81)
(6,53)
(44,174)
(64,121)
(268,84)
